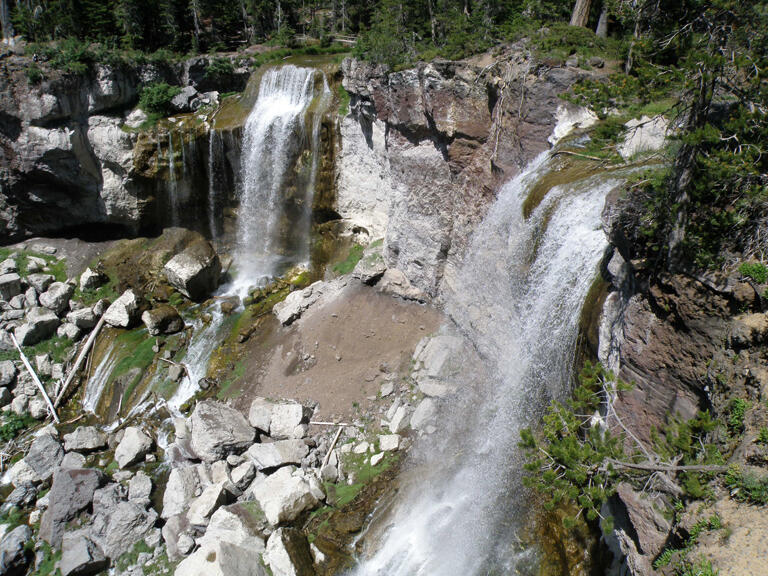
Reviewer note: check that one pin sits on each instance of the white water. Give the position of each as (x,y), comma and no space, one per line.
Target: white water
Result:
(274,137)
(96,383)
(518,299)
(213,152)
(173,192)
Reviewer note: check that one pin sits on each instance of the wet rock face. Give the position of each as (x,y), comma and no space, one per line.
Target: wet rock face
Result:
(421,161)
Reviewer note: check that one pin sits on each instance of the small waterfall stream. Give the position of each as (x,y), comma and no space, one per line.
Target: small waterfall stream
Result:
(518,300)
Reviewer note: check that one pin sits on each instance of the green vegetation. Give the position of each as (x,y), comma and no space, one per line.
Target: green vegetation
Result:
(348,264)
(747,486)
(737,409)
(35,75)
(756,271)
(56,267)
(219,68)
(762,437)
(47,567)
(679,557)
(156,98)
(138,355)
(343,96)
(129,558)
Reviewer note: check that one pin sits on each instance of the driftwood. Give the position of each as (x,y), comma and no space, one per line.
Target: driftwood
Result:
(330,423)
(332,446)
(83,353)
(651,467)
(39,384)
(578,155)
(179,364)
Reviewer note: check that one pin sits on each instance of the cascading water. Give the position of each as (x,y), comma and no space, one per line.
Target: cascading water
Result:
(274,138)
(518,300)
(215,149)
(173,193)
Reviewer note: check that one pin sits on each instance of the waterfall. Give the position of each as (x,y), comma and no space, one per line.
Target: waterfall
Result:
(275,137)
(213,150)
(518,300)
(98,381)
(173,193)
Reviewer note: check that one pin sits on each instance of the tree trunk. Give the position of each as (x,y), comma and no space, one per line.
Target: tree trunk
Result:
(602,23)
(580,15)
(195,8)
(431,9)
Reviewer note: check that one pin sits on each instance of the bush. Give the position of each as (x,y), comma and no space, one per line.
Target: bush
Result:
(156,98)
(13,424)
(219,68)
(35,75)
(757,271)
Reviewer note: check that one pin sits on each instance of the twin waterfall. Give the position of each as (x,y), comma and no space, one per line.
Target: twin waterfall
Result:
(518,301)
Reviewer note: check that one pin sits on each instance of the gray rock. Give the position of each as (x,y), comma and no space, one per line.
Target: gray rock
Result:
(72,460)
(56,298)
(222,559)
(133,447)
(136,118)
(243,474)
(163,319)
(389,442)
(283,495)
(140,487)
(424,414)
(80,556)
(31,298)
(90,280)
(13,554)
(40,282)
(18,302)
(37,408)
(10,286)
(399,420)
(178,537)
(288,553)
(69,331)
(371,266)
(43,364)
(124,311)
(7,373)
(278,453)
(202,507)
(85,439)
(195,271)
(84,318)
(216,430)
(181,102)
(21,496)
(182,487)
(395,283)
(242,524)
(44,456)
(298,302)
(101,307)
(39,325)
(5,397)
(287,419)
(129,523)
(8,266)
(72,491)
(260,414)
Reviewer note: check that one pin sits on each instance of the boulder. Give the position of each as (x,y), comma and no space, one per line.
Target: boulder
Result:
(136,118)
(164,319)
(178,537)
(288,554)
(183,485)
(222,559)
(85,439)
(72,491)
(40,282)
(284,495)
(31,298)
(140,487)
(424,414)
(286,420)
(203,506)
(91,279)
(216,430)
(81,556)
(181,102)
(298,302)
(10,286)
(260,414)
(39,325)
(195,271)
(8,266)
(371,266)
(133,447)
(243,474)
(73,460)
(124,311)
(129,523)
(84,318)
(395,283)
(13,552)
(241,523)
(399,420)
(644,135)
(43,457)
(23,495)
(389,442)
(37,408)
(69,331)
(7,373)
(56,298)
(278,453)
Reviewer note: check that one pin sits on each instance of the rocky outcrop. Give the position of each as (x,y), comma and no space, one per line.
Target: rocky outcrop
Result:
(425,150)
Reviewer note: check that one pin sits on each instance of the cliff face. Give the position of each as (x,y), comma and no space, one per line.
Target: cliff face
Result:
(425,150)
(67,158)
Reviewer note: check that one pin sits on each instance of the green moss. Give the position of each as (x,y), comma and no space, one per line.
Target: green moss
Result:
(129,558)
(344,99)
(13,425)
(225,391)
(348,264)
(140,355)
(360,467)
(48,564)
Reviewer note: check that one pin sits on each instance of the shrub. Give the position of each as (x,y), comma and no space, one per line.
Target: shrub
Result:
(13,424)
(35,75)
(219,68)
(762,437)
(757,271)
(156,98)
(738,409)
(747,486)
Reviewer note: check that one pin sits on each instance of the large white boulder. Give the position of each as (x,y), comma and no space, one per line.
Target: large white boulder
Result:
(123,312)
(195,271)
(133,447)
(217,430)
(284,495)
(278,453)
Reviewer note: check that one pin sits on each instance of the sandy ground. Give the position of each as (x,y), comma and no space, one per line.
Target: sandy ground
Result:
(339,353)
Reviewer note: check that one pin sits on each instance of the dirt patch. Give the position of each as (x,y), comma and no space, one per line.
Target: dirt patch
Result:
(339,353)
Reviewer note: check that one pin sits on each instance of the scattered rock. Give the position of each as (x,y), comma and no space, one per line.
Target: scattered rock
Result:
(136,118)
(177,534)
(69,331)
(124,311)
(91,279)
(72,491)
(13,554)
(140,487)
(43,457)
(278,453)
(85,439)
(260,414)
(133,447)
(216,430)
(241,523)
(376,458)
(21,496)
(296,303)
(222,559)
(37,408)
(163,319)
(84,318)
(371,266)
(288,553)
(396,283)
(183,485)
(56,298)
(10,286)
(243,474)
(129,523)
(80,555)
(283,495)
(389,442)
(424,414)
(73,460)
(286,420)
(7,373)
(399,420)
(39,325)
(195,271)
(206,504)
(40,282)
